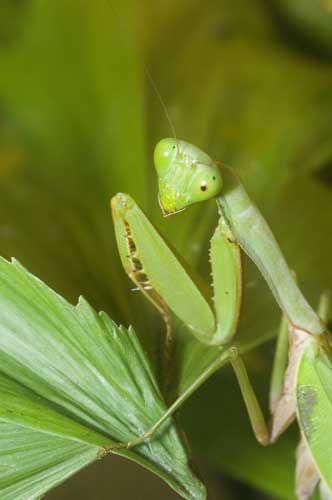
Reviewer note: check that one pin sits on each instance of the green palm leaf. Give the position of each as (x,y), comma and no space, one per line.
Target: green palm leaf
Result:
(73,383)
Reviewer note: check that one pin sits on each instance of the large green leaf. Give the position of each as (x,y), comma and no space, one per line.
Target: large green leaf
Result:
(82,382)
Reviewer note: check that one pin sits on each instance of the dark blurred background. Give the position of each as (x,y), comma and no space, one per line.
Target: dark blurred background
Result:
(249,82)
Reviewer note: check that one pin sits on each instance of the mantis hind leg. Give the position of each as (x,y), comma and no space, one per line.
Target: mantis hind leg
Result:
(224,358)
(256,417)
(282,401)
(231,355)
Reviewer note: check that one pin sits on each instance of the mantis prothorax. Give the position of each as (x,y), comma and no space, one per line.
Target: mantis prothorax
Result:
(186,176)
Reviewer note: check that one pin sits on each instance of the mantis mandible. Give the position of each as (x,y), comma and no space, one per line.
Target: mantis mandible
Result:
(186,176)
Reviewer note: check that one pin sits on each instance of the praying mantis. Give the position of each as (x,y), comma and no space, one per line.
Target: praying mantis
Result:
(186,176)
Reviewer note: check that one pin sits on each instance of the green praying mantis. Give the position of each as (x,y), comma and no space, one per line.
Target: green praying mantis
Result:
(188,176)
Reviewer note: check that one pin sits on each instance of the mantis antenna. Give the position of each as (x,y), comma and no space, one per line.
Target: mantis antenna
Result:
(162,102)
(152,83)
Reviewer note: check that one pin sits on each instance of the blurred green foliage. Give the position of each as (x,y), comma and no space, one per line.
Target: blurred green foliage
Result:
(252,85)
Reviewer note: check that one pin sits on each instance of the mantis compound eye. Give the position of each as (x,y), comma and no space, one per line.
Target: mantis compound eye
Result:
(164,155)
(203,185)
(206,185)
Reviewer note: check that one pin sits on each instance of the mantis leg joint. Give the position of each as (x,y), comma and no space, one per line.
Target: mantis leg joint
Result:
(233,353)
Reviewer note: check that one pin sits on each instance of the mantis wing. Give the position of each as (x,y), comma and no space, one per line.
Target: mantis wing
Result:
(314,406)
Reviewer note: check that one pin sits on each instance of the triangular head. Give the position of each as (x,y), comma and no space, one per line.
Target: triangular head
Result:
(186,175)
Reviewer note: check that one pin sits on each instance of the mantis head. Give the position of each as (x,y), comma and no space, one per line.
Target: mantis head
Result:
(186,175)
